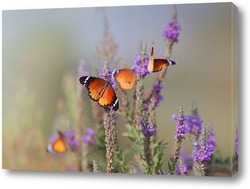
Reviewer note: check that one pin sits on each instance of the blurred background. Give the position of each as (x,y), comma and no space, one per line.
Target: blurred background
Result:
(42,49)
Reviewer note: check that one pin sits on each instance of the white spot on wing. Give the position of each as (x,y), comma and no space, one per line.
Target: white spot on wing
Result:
(86,80)
(49,148)
(170,62)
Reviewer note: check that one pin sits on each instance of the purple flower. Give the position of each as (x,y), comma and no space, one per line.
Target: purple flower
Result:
(70,136)
(172,31)
(141,64)
(108,75)
(194,124)
(149,130)
(188,159)
(156,92)
(203,152)
(89,137)
(236,143)
(181,126)
(181,168)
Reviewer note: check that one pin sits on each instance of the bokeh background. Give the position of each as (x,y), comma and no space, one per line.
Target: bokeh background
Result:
(40,47)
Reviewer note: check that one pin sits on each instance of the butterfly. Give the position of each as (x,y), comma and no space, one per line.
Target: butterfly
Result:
(125,77)
(101,91)
(59,145)
(156,65)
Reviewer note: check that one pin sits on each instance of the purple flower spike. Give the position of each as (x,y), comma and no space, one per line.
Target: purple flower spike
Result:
(89,137)
(141,64)
(194,124)
(181,126)
(149,130)
(141,60)
(107,74)
(181,168)
(156,91)
(70,135)
(203,152)
(172,31)
(91,132)
(188,159)
(236,143)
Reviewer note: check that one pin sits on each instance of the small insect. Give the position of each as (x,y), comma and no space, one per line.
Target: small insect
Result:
(126,78)
(156,65)
(101,91)
(59,145)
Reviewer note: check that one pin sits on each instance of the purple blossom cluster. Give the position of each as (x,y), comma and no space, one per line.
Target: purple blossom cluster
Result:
(70,136)
(236,143)
(156,91)
(181,168)
(89,137)
(149,130)
(108,75)
(188,159)
(141,64)
(194,124)
(172,31)
(204,152)
(181,126)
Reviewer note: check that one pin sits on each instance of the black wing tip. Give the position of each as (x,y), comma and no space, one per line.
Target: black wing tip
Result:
(82,79)
(171,62)
(116,107)
(113,106)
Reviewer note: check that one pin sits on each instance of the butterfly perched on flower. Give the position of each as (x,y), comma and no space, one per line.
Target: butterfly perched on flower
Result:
(125,77)
(59,145)
(156,65)
(101,91)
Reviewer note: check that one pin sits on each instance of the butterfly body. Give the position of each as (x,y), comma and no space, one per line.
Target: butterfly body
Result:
(101,91)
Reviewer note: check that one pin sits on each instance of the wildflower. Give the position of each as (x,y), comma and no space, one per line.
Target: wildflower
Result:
(181,125)
(172,31)
(156,92)
(107,74)
(188,159)
(149,130)
(89,137)
(181,168)
(181,129)
(204,148)
(236,143)
(194,125)
(141,62)
(70,136)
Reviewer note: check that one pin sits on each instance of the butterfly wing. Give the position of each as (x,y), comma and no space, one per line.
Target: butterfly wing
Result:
(109,99)
(59,145)
(95,86)
(151,61)
(156,65)
(126,78)
(101,91)
(159,64)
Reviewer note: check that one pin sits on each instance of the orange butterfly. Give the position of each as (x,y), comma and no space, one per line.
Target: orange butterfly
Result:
(156,65)
(126,78)
(59,145)
(101,91)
